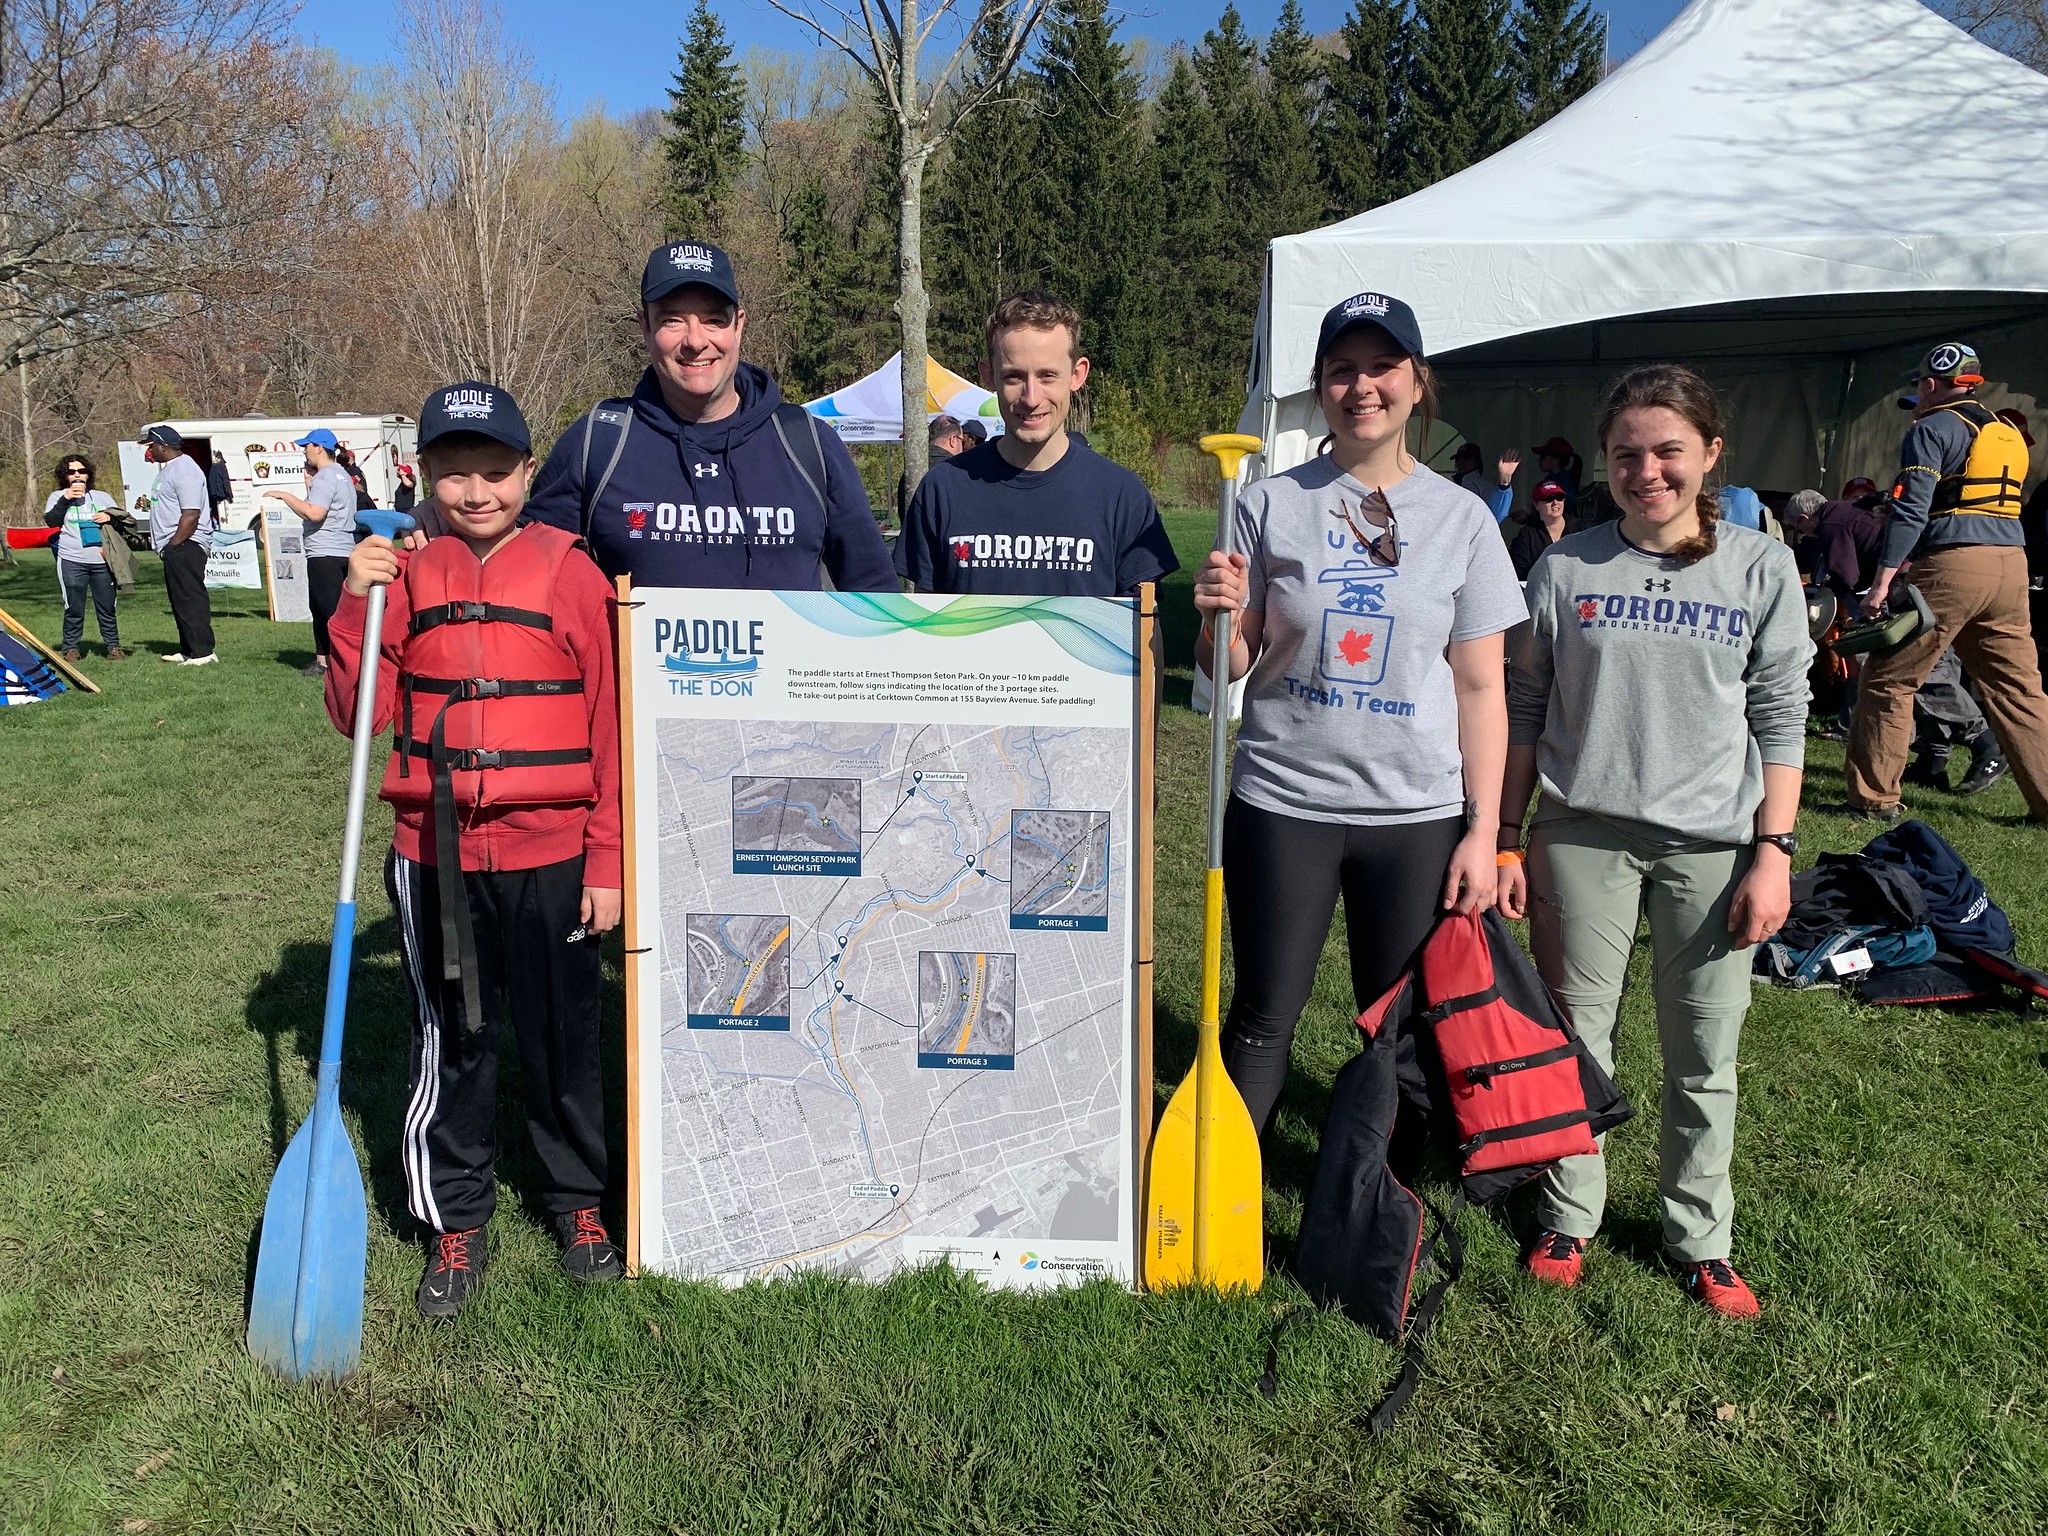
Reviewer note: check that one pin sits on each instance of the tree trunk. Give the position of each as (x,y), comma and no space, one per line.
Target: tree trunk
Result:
(913,304)
(28,453)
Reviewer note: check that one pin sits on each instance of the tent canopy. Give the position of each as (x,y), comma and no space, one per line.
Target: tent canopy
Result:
(1796,196)
(870,410)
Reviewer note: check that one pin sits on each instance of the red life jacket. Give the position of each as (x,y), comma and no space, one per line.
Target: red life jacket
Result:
(486,678)
(503,710)
(1468,1049)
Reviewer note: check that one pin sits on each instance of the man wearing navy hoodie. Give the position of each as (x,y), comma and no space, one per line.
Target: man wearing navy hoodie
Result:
(705,477)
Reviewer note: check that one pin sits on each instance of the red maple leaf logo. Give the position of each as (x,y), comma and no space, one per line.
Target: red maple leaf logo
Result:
(636,518)
(963,549)
(1589,610)
(1355,648)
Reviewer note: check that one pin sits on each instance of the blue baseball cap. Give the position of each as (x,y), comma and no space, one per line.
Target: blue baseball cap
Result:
(1389,314)
(162,436)
(484,409)
(319,437)
(683,262)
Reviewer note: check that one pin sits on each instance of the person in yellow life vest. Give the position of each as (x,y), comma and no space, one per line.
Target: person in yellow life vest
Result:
(1955,514)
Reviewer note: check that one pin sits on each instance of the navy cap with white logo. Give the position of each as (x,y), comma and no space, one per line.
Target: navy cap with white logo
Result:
(683,262)
(484,409)
(1389,314)
(162,436)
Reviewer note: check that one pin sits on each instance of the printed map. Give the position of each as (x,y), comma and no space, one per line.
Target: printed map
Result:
(870,1048)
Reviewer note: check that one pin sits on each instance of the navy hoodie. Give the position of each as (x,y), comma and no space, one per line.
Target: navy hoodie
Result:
(716,503)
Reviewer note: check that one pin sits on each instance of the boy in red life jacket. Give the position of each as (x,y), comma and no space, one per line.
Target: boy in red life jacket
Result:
(497,676)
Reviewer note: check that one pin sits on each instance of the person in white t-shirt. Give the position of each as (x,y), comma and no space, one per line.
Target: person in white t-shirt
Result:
(80,514)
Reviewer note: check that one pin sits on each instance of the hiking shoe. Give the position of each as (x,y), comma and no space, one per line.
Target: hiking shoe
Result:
(455,1267)
(202,661)
(69,653)
(1986,769)
(1715,1283)
(1928,771)
(1883,815)
(115,653)
(1556,1259)
(588,1254)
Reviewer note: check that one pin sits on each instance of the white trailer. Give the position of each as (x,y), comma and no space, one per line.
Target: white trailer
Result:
(260,455)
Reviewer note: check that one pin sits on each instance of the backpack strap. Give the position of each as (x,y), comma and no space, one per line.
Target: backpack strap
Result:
(613,413)
(1449,1269)
(798,430)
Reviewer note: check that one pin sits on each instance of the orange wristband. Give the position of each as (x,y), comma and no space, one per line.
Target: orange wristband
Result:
(1507,856)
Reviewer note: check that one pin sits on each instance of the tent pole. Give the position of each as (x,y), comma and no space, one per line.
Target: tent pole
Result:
(1828,466)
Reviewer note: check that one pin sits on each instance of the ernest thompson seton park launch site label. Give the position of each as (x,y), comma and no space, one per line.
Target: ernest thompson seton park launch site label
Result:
(885,1012)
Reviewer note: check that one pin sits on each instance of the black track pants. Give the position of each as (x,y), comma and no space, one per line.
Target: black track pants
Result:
(191,605)
(1281,878)
(548,985)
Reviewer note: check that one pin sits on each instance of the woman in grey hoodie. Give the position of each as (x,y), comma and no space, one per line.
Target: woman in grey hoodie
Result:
(1658,701)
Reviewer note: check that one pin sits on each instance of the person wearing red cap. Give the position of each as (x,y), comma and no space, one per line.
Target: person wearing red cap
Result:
(1549,520)
(1555,460)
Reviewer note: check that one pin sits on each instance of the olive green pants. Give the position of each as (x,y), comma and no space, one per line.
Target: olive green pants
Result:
(1591,880)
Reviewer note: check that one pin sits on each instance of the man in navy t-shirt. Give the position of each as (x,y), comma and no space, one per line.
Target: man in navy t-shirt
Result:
(1036,512)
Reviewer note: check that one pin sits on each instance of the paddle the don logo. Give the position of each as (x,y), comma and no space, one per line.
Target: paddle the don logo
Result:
(1355,647)
(715,658)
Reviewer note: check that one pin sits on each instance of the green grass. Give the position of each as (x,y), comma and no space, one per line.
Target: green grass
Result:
(166,858)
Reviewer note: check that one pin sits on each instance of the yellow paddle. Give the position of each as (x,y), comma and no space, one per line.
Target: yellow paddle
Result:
(1204,1205)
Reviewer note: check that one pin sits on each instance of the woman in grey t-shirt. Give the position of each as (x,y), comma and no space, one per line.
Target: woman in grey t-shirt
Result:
(80,513)
(1373,596)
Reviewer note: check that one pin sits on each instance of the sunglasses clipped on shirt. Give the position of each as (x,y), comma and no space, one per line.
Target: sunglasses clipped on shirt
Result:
(1378,512)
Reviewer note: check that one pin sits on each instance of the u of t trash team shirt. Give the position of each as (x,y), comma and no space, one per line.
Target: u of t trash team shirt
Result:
(1086,527)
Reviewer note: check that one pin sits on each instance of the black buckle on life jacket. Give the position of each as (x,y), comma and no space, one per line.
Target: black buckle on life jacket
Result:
(468,688)
(474,759)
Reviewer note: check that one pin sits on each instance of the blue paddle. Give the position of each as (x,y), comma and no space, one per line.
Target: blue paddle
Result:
(306,1312)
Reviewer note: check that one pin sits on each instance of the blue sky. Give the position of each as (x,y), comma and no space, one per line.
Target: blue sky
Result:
(623,55)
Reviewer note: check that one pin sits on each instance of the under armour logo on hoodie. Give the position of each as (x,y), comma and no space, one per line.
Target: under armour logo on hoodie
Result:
(704,471)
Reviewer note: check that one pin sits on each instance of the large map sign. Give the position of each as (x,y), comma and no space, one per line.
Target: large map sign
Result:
(882,878)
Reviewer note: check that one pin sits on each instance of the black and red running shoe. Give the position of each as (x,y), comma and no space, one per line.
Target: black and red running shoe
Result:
(455,1267)
(588,1253)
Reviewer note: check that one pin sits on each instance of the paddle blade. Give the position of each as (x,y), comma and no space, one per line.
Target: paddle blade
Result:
(1232,1215)
(306,1311)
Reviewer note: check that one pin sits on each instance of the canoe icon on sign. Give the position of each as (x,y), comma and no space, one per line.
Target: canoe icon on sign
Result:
(724,666)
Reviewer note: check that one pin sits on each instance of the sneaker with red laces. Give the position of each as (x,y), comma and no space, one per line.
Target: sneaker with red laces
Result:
(588,1254)
(455,1267)
(1715,1283)
(1556,1258)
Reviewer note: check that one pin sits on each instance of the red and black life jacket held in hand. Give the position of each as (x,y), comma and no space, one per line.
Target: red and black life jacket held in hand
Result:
(1469,1048)
(491,709)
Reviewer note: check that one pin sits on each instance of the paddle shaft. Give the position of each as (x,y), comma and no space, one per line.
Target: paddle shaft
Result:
(1208,1046)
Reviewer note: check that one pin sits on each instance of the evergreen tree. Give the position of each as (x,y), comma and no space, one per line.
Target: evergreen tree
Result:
(821,273)
(1559,48)
(1292,197)
(704,130)
(982,244)
(1226,64)
(1194,282)
(1356,135)
(1460,100)
(1098,190)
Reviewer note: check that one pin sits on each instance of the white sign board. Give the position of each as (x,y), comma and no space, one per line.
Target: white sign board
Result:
(284,534)
(234,560)
(883,853)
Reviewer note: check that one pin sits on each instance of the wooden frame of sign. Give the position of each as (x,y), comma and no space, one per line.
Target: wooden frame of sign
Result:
(632,921)
(1141,889)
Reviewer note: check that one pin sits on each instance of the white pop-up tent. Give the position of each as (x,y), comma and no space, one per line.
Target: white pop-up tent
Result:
(1795,196)
(870,410)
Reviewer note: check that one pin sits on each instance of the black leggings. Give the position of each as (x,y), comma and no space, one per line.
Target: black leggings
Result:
(1281,878)
(324,576)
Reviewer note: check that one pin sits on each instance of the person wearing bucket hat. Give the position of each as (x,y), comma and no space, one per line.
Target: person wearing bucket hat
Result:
(1372,595)
(705,476)
(1955,514)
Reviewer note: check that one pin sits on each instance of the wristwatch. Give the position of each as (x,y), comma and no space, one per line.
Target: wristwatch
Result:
(1784,842)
